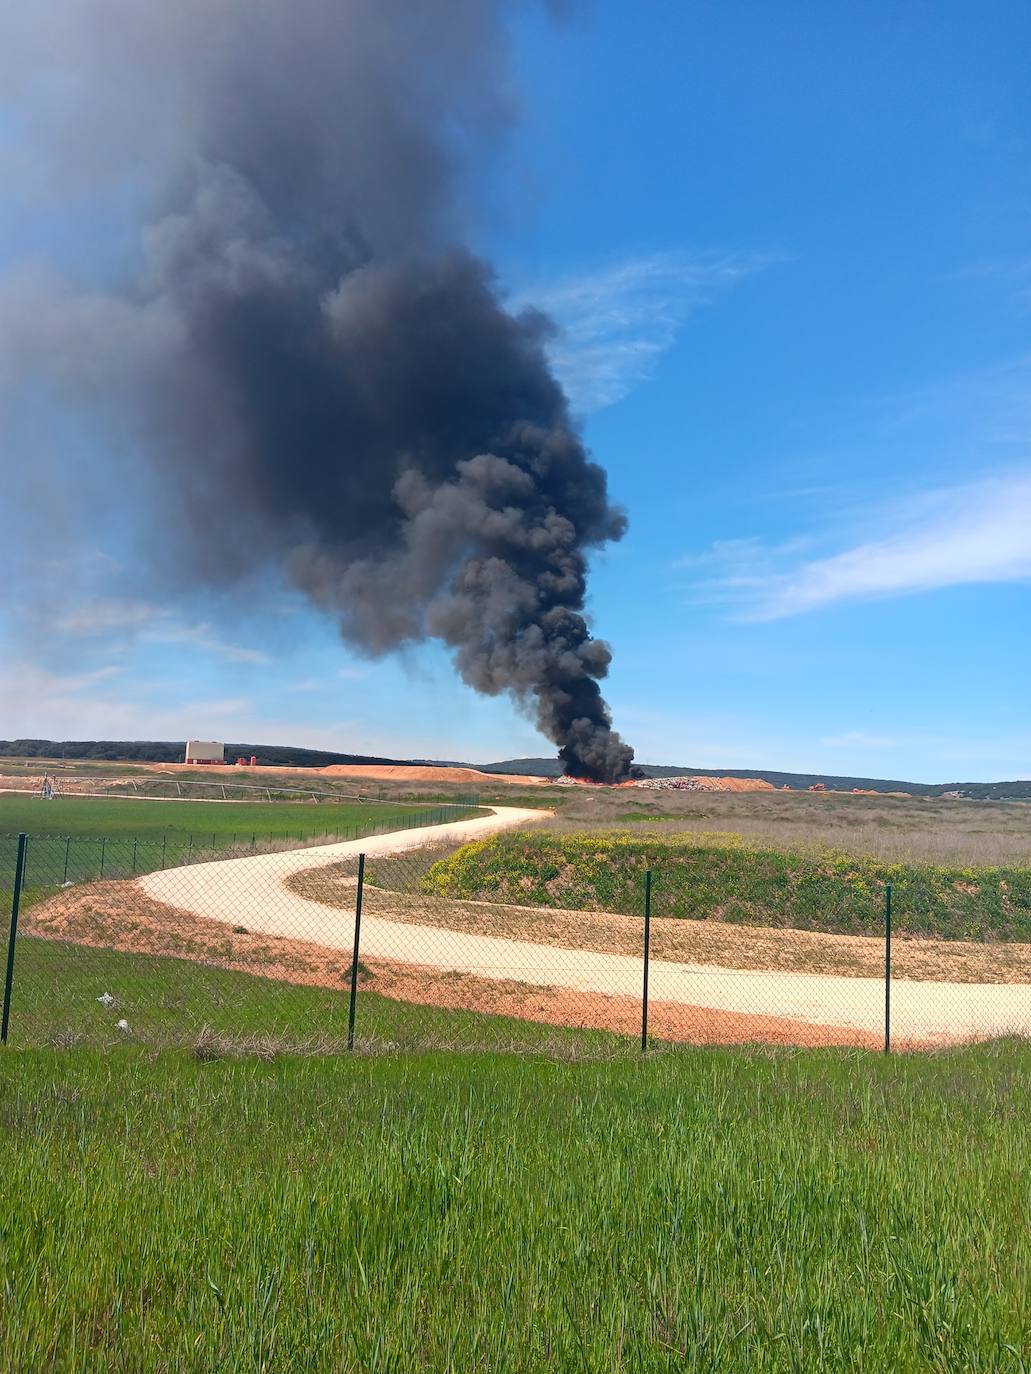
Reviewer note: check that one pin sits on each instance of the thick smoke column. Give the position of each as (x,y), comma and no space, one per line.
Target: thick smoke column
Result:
(318,374)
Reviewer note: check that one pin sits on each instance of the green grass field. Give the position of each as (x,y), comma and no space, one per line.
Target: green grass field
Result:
(76,839)
(178,1001)
(718,1211)
(719,877)
(115,818)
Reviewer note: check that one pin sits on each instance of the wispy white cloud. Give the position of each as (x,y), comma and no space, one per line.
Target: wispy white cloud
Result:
(978,532)
(614,323)
(202,636)
(101,617)
(37,702)
(325,683)
(104,615)
(27,687)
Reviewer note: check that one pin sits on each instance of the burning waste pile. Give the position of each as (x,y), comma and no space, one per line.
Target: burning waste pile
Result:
(318,377)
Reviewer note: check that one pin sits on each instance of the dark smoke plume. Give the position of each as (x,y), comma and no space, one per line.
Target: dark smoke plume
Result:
(317,373)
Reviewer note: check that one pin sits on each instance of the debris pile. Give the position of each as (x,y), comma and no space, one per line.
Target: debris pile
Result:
(694,783)
(686,782)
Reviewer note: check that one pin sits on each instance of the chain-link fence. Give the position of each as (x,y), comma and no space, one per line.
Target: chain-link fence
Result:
(376,941)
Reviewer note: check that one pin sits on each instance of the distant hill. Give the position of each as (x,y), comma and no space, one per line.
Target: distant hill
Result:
(171,751)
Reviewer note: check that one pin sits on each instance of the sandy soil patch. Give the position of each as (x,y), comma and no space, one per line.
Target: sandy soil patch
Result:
(426,773)
(694,942)
(392,772)
(118,915)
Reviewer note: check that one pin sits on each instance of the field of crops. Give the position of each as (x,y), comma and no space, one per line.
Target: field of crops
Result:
(709,1211)
(75,840)
(718,877)
(212,822)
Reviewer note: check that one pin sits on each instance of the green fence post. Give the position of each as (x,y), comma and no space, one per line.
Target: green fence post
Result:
(103,851)
(135,843)
(19,878)
(67,849)
(164,842)
(354,960)
(887,969)
(647,952)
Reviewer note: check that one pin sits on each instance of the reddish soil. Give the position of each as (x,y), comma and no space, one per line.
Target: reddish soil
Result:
(425,773)
(394,772)
(117,915)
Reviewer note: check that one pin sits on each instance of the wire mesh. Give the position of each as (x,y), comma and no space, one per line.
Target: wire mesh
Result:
(250,944)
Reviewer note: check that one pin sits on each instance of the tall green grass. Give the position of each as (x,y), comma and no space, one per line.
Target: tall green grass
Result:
(170,1001)
(718,877)
(208,821)
(707,1211)
(80,840)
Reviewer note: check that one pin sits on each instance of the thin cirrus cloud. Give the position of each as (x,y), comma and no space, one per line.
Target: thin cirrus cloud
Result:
(105,615)
(614,324)
(203,637)
(153,623)
(35,703)
(976,533)
(326,682)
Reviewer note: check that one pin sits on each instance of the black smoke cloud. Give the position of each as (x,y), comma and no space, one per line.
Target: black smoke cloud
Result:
(316,370)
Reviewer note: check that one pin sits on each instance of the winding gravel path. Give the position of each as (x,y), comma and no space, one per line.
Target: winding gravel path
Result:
(251,892)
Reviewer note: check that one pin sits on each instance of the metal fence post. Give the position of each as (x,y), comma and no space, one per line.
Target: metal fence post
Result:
(103,851)
(887,969)
(67,851)
(19,877)
(354,960)
(647,950)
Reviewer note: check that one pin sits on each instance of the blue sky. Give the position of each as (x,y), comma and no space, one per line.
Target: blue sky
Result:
(790,251)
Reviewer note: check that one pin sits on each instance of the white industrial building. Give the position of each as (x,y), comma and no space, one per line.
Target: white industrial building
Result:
(204,751)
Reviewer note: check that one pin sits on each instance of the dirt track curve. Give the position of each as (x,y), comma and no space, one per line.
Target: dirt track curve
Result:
(253,888)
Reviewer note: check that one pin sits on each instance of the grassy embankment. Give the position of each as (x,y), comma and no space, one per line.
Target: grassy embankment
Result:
(705,1211)
(720,878)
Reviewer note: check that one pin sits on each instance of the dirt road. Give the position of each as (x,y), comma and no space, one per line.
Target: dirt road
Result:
(251,891)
